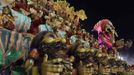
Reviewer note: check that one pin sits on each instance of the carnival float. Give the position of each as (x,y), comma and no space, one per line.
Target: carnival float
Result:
(44,37)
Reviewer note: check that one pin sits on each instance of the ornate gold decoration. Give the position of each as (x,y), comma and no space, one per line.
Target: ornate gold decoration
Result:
(81,14)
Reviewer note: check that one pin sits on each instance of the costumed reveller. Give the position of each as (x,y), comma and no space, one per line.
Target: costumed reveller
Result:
(106,33)
(48,56)
(13,43)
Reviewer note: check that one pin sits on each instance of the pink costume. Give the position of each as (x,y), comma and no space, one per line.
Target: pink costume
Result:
(104,38)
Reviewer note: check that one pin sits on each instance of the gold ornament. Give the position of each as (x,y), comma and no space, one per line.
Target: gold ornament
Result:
(81,14)
(56,6)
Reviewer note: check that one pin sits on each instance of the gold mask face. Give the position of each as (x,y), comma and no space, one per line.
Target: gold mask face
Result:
(50,38)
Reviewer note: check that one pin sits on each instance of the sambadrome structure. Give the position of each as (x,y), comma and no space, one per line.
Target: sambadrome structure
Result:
(44,37)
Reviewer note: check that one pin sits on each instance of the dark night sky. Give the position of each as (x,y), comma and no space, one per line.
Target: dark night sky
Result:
(120,12)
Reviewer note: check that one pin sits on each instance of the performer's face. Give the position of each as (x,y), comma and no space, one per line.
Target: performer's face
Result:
(34,53)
